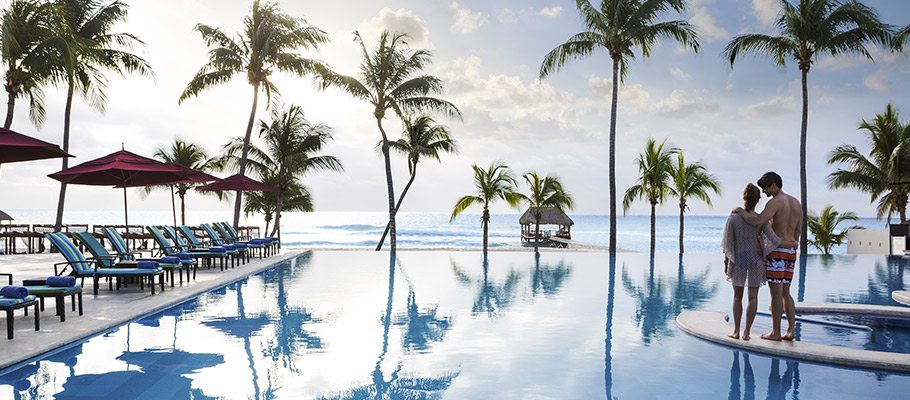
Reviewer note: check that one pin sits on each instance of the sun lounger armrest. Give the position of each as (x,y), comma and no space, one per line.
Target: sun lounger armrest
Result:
(70,263)
(8,275)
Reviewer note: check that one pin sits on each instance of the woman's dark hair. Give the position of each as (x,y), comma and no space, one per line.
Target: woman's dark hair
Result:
(751,195)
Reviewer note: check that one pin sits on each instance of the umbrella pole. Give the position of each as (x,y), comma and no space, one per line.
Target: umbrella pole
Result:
(173,205)
(126,216)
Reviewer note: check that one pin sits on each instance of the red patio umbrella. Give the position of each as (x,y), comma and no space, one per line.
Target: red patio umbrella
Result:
(121,169)
(193,176)
(15,147)
(238,183)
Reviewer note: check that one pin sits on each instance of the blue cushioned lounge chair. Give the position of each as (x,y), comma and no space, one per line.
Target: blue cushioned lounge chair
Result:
(205,253)
(82,267)
(269,244)
(11,304)
(108,260)
(254,247)
(194,242)
(40,289)
(243,250)
(167,249)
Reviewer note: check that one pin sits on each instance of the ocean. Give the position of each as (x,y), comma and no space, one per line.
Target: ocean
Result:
(326,229)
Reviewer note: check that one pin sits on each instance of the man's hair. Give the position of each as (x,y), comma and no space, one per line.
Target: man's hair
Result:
(751,196)
(770,178)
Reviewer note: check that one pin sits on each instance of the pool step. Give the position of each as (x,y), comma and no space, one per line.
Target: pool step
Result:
(901,296)
(712,326)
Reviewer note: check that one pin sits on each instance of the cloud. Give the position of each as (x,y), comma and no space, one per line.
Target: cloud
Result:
(681,104)
(878,81)
(550,11)
(680,73)
(779,105)
(398,21)
(466,20)
(705,23)
(766,11)
(632,97)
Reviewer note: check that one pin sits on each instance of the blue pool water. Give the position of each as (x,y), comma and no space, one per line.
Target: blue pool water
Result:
(352,325)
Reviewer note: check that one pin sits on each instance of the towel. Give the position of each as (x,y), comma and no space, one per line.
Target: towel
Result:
(169,260)
(185,256)
(240,245)
(258,241)
(14,292)
(229,247)
(147,265)
(60,281)
(217,249)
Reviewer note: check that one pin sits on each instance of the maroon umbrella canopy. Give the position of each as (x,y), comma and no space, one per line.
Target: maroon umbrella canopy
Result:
(15,147)
(123,169)
(192,176)
(240,183)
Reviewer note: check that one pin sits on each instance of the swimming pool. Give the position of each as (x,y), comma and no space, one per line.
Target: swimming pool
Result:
(352,325)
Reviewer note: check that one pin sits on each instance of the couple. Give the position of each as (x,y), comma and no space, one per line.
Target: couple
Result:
(759,248)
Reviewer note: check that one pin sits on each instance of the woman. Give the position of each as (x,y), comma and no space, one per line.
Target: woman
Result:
(745,249)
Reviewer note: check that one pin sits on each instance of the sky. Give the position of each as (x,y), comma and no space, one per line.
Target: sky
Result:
(739,121)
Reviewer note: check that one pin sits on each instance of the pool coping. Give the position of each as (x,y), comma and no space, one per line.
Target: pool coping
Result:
(901,296)
(714,327)
(137,312)
(846,308)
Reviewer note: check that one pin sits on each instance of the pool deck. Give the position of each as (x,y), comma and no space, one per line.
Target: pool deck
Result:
(860,309)
(105,311)
(901,296)
(713,326)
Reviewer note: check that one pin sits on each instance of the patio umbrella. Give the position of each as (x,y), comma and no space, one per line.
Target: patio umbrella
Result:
(15,147)
(192,176)
(121,169)
(238,183)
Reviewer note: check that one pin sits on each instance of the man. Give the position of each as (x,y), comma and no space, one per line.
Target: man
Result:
(785,215)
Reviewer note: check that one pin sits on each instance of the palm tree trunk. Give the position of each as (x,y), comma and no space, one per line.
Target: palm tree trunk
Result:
(653,225)
(388,178)
(267,222)
(537,234)
(612,162)
(682,223)
(802,159)
(278,205)
(485,220)
(397,207)
(246,149)
(10,107)
(61,198)
(173,205)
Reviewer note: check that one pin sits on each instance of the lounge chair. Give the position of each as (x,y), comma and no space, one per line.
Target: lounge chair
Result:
(253,246)
(11,304)
(41,289)
(120,246)
(194,242)
(86,267)
(167,249)
(205,253)
(242,248)
(270,244)
(108,260)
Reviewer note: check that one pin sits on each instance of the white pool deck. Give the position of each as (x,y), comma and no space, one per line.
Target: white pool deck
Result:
(901,296)
(713,326)
(102,312)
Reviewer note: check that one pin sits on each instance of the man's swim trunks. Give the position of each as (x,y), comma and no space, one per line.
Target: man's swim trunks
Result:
(780,264)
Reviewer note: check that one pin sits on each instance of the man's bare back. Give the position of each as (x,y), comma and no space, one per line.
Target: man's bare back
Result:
(787,217)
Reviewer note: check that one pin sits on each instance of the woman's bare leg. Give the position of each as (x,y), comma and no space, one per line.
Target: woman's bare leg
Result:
(737,310)
(750,312)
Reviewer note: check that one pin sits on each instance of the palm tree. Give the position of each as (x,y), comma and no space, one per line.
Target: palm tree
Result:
(901,37)
(271,41)
(392,79)
(691,181)
(96,49)
(806,31)
(189,155)
(618,27)
(824,228)
(885,173)
(494,182)
(421,138)
(33,44)
(290,143)
(654,184)
(544,193)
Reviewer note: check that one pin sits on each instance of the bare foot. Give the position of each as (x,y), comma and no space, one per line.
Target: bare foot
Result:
(734,335)
(746,336)
(789,336)
(771,336)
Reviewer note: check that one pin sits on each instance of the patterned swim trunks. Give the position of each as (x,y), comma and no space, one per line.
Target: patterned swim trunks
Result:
(780,264)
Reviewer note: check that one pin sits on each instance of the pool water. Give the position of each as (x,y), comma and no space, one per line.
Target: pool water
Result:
(434,325)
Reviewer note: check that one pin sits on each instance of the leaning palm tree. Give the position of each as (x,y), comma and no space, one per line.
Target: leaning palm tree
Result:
(291,142)
(494,182)
(885,173)
(34,42)
(392,78)
(654,184)
(805,31)
(824,230)
(421,138)
(271,41)
(691,181)
(546,192)
(189,155)
(95,49)
(618,27)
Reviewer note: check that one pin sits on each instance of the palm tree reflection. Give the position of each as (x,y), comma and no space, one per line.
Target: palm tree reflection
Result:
(548,279)
(608,342)
(491,297)
(690,293)
(421,327)
(887,277)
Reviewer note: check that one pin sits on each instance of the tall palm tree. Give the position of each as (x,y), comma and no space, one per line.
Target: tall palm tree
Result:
(494,182)
(421,139)
(96,49)
(546,192)
(392,78)
(654,184)
(291,144)
(33,45)
(901,38)
(885,172)
(618,27)
(824,228)
(189,155)
(691,181)
(270,41)
(805,31)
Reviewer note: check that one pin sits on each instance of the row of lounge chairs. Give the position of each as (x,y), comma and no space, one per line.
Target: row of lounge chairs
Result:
(178,252)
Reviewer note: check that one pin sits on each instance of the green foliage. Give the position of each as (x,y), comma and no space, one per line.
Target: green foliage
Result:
(823,227)
(692,181)
(654,184)
(494,182)
(546,192)
(189,155)
(422,138)
(901,38)
(885,172)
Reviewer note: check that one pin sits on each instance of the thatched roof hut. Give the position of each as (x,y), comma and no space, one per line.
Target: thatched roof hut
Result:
(548,216)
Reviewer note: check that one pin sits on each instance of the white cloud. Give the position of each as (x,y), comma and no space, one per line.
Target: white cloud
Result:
(705,23)
(466,20)
(398,21)
(681,104)
(777,106)
(550,11)
(633,97)
(675,71)
(507,16)
(766,11)
(878,81)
